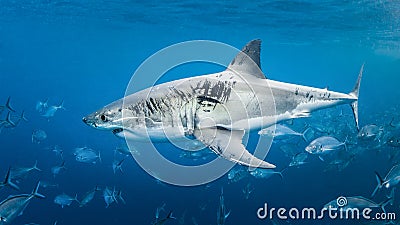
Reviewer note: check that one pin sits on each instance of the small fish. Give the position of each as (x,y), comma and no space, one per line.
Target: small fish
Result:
(394,140)
(391,179)
(164,220)
(55,170)
(123,150)
(89,197)
(48,184)
(65,200)
(41,106)
(57,150)
(14,206)
(51,110)
(20,173)
(236,174)
(194,221)
(117,165)
(264,173)
(109,196)
(247,190)
(280,132)
(38,136)
(299,159)
(325,144)
(369,132)
(88,155)
(222,213)
(20,118)
(7,181)
(158,210)
(181,219)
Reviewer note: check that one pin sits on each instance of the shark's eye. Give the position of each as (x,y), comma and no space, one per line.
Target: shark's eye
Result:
(103,118)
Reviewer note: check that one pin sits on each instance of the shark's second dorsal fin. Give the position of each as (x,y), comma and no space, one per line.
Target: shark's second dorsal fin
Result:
(247,61)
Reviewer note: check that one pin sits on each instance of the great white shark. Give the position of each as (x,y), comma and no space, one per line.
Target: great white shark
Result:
(217,109)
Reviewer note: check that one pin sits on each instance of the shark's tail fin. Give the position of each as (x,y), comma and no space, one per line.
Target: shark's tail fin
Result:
(379,185)
(354,93)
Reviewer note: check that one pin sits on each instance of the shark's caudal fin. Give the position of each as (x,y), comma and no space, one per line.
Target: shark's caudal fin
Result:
(354,93)
(247,61)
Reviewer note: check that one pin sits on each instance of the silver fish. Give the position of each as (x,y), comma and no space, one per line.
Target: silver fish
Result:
(20,173)
(236,174)
(299,159)
(65,200)
(109,196)
(222,213)
(51,110)
(280,132)
(247,190)
(88,197)
(41,106)
(55,170)
(369,132)
(14,206)
(88,155)
(391,179)
(236,100)
(325,144)
(38,136)
(264,173)
(117,165)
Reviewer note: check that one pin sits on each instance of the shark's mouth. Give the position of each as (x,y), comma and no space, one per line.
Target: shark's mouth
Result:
(118,130)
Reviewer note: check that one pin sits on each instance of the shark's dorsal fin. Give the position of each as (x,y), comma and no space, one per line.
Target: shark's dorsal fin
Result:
(247,61)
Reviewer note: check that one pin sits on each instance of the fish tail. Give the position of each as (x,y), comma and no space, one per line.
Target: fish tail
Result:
(120,197)
(61,106)
(303,134)
(170,216)
(35,191)
(384,203)
(76,199)
(8,105)
(23,116)
(379,185)
(35,167)
(7,180)
(354,93)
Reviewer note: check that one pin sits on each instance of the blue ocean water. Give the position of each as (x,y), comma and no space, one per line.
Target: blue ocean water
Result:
(85,52)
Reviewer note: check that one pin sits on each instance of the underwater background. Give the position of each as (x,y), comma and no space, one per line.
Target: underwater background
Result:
(85,52)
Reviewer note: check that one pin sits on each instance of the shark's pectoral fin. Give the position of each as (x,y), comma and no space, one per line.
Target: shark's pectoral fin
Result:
(228,144)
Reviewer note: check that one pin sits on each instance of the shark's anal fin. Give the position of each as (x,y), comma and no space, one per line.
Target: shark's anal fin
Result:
(228,144)
(247,61)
